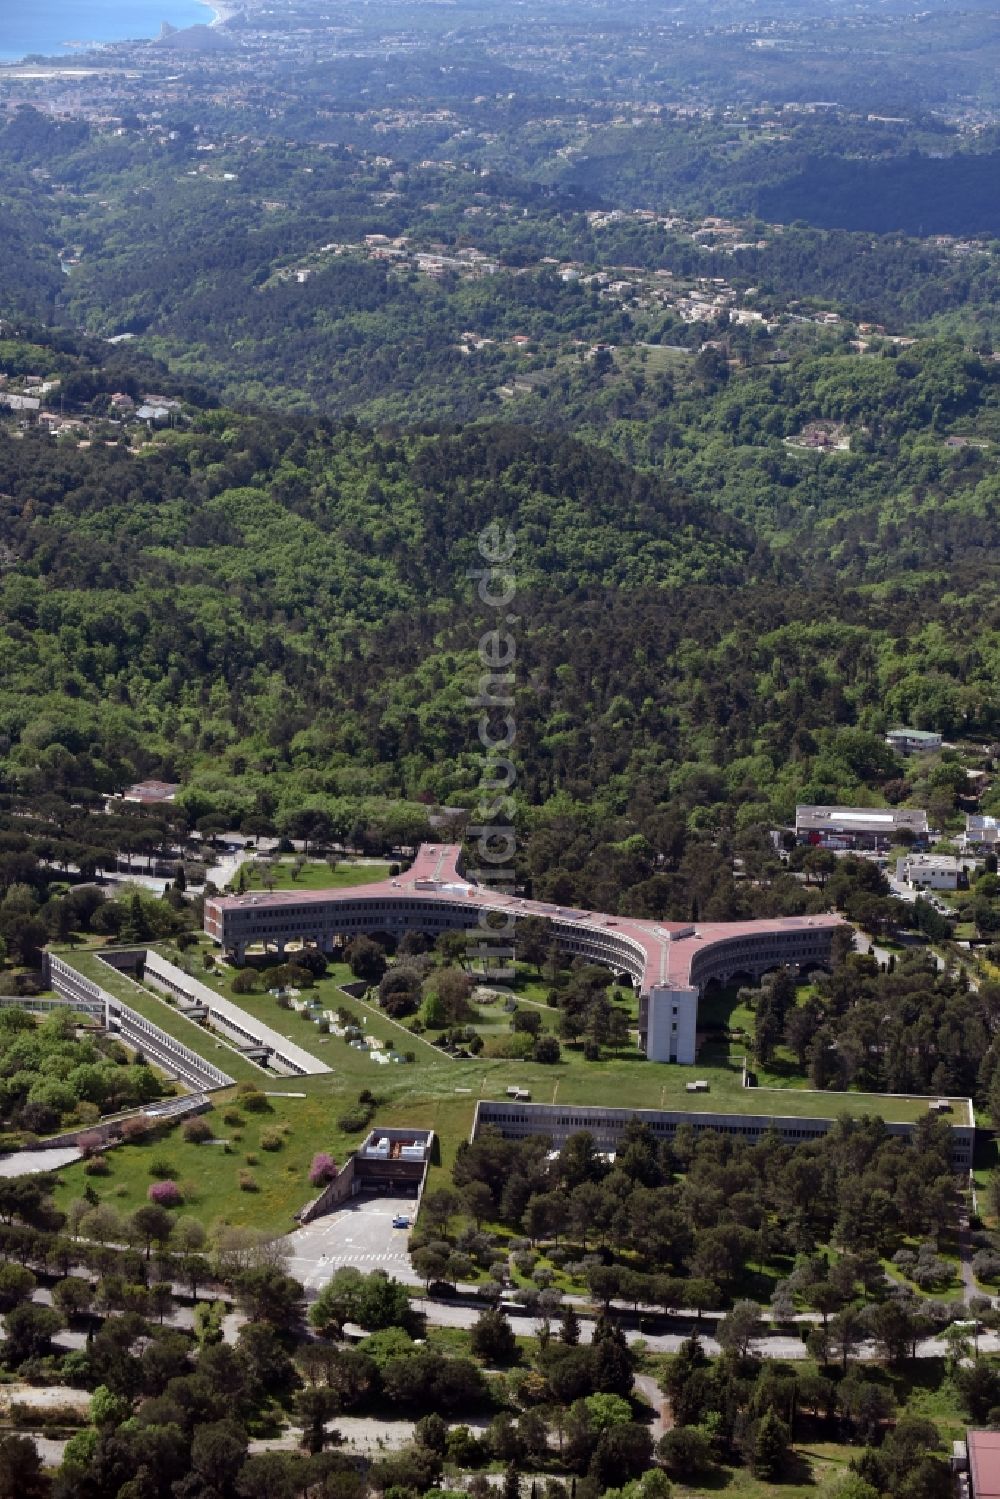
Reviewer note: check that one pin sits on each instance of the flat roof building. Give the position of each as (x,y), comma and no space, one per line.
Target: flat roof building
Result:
(913,741)
(151,793)
(859,827)
(517,1120)
(669,962)
(934,871)
(981,831)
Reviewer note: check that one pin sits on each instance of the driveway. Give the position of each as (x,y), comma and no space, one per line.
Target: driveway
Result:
(361,1234)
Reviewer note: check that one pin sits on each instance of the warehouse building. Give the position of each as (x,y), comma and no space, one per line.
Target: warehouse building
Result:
(871,828)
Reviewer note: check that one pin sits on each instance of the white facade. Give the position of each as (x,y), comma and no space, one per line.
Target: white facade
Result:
(982,831)
(672,1022)
(913,741)
(932,871)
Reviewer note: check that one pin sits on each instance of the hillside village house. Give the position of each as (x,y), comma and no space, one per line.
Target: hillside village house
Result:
(981,832)
(913,741)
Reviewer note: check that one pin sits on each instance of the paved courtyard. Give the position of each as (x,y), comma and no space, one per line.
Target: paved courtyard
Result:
(360,1234)
(31,1162)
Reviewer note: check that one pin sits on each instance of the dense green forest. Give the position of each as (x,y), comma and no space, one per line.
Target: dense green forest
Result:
(276,612)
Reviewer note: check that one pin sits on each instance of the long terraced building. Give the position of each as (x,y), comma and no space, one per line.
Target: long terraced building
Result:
(670,963)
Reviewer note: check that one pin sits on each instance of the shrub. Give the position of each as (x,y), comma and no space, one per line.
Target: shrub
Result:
(166,1194)
(517,1047)
(359,1117)
(89,1144)
(323,1169)
(271,1139)
(136,1129)
(160,1166)
(251,1158)
(247,1182)
(546,1049)
(97,1165)
(233,1117)
(255,1102)
(197,1130)
(986,1265)
(245,982)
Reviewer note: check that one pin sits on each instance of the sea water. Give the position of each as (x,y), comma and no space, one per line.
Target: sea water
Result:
(57,28)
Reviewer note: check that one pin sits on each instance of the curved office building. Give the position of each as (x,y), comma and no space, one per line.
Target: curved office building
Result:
(669,962)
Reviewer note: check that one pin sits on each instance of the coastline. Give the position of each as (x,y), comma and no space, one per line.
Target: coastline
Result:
(67,53)
(221,12)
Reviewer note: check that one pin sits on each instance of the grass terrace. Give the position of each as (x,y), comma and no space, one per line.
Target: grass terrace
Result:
(628,1080)
(435,1091)
(315,874)
(325,995)
(160,1013)
(254,1173)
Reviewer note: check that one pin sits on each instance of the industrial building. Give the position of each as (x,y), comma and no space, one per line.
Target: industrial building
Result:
(870,828)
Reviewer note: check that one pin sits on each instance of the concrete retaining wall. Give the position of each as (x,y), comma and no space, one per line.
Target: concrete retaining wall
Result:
(109,1131)
(333,1195)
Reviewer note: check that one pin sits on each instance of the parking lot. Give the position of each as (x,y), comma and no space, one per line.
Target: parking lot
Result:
(360,1234)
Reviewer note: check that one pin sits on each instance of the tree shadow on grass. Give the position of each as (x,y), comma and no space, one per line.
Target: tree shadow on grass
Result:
(798,1470)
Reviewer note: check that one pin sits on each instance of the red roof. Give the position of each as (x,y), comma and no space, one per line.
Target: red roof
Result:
(984,1463)
(668,947)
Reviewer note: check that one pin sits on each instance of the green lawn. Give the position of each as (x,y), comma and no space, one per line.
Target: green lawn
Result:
(315,874)
(625,1081)
(326,995)
(435,1092)
(144,1002)
(208,1174)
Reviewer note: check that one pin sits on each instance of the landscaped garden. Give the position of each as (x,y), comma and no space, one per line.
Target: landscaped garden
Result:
(298,873)
(438,1087)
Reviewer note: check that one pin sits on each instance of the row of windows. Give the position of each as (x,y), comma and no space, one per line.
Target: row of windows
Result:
(604,1128)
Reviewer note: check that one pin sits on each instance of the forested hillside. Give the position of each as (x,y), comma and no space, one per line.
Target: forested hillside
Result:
(277,613)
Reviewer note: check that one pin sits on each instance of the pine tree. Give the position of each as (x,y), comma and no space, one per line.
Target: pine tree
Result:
(569,1328)
(136,928)
(770,1447)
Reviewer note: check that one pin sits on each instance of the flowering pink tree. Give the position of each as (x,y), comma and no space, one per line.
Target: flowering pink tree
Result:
(89,1144)
(323,1169)
(165,1194)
